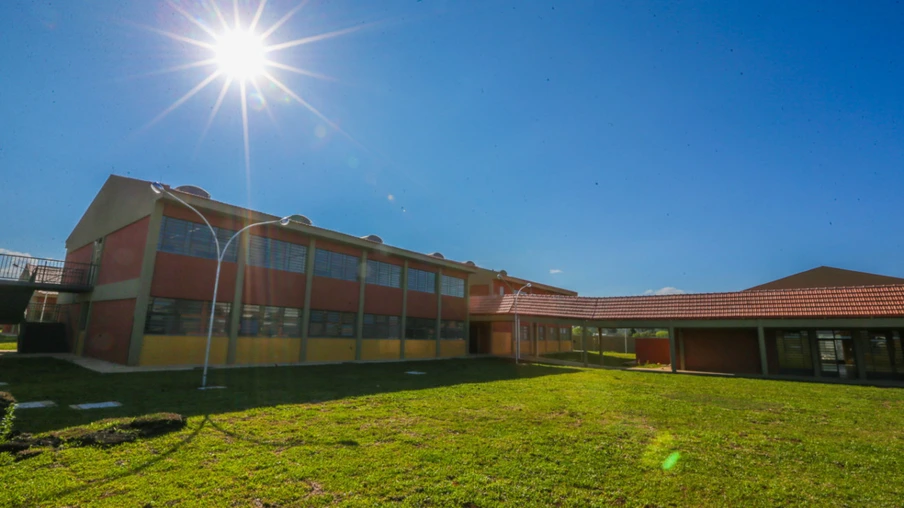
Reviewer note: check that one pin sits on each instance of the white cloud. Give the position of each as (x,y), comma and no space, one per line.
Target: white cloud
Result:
(668,290)
(14,253)
(555,271)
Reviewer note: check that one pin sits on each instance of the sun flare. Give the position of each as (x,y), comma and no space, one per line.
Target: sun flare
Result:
(240,54)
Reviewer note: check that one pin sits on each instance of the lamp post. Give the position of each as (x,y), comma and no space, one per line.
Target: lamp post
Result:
(159,188)
(517,321)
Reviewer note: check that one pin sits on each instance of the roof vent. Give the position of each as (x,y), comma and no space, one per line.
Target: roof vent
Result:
(438,255)
(503,273)
(194,190)
(301,219)
(372,238)
(470,263)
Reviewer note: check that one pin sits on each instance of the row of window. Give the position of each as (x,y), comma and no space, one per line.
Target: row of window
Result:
(168,316)
(179,236)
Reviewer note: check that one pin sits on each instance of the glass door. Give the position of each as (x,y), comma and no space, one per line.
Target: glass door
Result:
(836,353)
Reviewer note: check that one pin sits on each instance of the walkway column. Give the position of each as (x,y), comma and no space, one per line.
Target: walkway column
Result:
(584,343)
(359,320)
(673,349)
(764,362)
(858,357)
(306,310)
(237,297)
(814,353)
(404,309)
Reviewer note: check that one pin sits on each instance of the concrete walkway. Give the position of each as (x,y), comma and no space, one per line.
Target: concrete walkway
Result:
(94,364)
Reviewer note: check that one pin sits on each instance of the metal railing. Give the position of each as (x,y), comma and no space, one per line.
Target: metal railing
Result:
(42,313)
(45,272)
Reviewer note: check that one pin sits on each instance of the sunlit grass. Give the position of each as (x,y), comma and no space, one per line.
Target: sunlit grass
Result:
(8,342)
(468,433)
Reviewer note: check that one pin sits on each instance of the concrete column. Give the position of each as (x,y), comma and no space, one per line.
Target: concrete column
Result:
(144,289)
(236,310)
(468,317)
(814,353)
(359,322)
(764,362)
(306,310)
(439,308)
(584,343)
(680,347)
(673,349)
(599,330)
(403,324)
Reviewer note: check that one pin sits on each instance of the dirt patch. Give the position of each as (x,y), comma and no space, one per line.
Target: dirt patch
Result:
(117,432)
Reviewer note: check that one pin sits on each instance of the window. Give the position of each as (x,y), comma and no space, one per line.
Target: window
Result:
(384,274)
(553,333)
(452,330)
(381,327)
(793,349)
(335,265)
(565,333)
(541,332)
(420,328)
(419,280)
(179,236)
(276,254)
(501,291)
(325,323)
(266,321)
(453,286)
(169,316)
(525,332)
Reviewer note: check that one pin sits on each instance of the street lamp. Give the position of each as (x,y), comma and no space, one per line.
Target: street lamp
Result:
(517,321)
(159,188)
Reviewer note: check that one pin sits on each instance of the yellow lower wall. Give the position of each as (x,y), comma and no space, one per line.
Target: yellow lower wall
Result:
(380,349)
(542,347)
(527,347)
(182,350)
(449,348)
(552,346)
(501,344)
(565,345)
(331,350)
(420,349)
(252,350)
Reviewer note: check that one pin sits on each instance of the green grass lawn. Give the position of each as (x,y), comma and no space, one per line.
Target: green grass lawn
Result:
(468,433)
(610,358)
(8,342)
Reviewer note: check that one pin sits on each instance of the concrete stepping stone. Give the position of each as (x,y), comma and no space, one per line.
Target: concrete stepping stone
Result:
(3,384)
(36,404)
(96,405)
(415,373)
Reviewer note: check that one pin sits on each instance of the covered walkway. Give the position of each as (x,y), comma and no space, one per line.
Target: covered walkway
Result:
(845,333)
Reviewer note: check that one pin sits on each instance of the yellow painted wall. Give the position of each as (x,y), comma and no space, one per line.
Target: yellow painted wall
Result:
(252,350)
(527,347)
(449,348)
(552,346)
(381,349)
(331,350)
(420,349)
(565,345)
(501,344)
(181,350)
(541,347)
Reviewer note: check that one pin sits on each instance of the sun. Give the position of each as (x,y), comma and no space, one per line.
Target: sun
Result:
(240,55)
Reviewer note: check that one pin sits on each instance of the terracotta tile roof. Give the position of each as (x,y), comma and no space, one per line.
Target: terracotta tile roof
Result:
(847,302)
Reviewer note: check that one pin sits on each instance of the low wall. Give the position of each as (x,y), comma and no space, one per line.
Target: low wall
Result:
(652,350)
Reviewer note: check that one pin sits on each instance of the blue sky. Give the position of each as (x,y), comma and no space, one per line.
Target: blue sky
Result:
(630,145)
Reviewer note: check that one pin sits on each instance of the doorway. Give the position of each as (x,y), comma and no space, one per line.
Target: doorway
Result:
(836,354)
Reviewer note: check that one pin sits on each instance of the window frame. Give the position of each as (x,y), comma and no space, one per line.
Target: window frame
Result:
(336,265)
(333,323)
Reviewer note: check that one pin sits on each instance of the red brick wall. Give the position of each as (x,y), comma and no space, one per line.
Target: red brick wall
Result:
(454,308)
(479,290)
(503,326)
(191,278)
(652,351)
(334,294)
(263,286)
(382,300)
(81,255)
(123,253)
(179,211)
(771,352)
(109,330)
(728,350)
(421,305)
(69,316)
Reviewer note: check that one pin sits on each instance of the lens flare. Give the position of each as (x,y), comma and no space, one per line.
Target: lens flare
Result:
(671,461)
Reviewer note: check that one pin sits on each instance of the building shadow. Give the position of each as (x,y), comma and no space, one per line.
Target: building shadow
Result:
(32,379)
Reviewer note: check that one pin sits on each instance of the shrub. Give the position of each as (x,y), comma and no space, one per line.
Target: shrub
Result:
(662,334)
(8,409)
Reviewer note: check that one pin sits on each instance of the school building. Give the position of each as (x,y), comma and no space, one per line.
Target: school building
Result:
(137,282)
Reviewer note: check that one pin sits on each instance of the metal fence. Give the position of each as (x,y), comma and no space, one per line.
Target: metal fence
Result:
(42,313)
(48,272)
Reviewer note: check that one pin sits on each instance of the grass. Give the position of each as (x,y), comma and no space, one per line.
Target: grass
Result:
(610,358)
(468,433)
(8,342)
